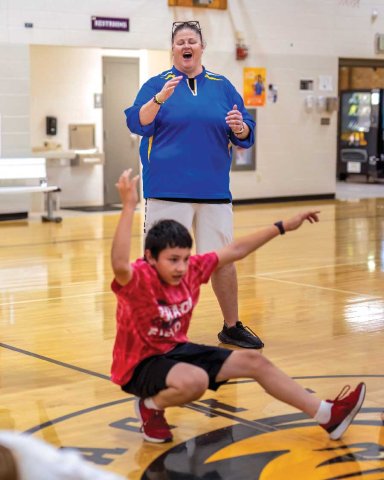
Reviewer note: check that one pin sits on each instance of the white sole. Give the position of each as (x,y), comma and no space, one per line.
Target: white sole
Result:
(338,432)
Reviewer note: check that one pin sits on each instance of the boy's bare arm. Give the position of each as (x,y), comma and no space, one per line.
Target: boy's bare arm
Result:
(243,246)
(121,245)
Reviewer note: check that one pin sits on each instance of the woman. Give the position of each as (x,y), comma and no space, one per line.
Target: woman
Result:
(188,118)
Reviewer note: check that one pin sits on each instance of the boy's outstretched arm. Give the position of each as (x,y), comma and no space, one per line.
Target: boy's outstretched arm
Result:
(243,246)
(121,245)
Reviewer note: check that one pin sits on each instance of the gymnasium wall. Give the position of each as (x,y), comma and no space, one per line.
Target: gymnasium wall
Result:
(292,39)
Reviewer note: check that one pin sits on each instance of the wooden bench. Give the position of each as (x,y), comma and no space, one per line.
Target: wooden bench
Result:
(24,176)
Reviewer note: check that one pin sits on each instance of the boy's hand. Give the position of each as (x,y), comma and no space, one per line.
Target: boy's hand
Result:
(127,188)
(296,221)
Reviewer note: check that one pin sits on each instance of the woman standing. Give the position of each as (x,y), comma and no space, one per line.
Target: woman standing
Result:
(188,117)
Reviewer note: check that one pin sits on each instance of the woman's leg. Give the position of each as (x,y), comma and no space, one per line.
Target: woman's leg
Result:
(156,210)
(213,229)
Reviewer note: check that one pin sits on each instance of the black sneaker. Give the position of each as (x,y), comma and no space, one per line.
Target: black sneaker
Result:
(240,336)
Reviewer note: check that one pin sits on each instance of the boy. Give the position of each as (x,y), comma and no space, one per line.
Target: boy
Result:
(152,357)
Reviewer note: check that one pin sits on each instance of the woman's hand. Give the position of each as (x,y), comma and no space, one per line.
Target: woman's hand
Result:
(168,89)
(150,109)
(235,121)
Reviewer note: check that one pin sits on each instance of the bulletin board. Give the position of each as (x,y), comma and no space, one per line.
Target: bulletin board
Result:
(218,4)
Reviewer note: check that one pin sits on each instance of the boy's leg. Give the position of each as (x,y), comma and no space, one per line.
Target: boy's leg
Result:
(251,364)
(334,416)
(184,383)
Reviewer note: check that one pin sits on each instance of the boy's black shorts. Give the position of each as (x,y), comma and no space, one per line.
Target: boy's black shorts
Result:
(150,374)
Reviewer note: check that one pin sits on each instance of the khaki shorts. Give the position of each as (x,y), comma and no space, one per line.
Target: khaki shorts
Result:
(211,223)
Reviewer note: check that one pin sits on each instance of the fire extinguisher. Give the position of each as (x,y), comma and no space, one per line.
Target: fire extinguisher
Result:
(241,51)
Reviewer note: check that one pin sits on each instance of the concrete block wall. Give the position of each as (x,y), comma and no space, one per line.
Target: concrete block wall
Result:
(293,40)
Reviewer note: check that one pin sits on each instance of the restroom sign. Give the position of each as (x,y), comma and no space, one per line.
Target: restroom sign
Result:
(108,23)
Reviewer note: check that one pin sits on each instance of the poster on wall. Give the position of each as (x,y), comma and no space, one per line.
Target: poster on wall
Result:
(254,86)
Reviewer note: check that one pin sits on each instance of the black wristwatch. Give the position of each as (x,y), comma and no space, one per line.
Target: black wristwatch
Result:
(280,226)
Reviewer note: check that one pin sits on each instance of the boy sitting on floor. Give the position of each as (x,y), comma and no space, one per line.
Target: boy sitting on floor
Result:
(153,358)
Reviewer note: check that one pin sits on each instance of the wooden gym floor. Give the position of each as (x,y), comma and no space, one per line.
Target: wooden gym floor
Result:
(315,296)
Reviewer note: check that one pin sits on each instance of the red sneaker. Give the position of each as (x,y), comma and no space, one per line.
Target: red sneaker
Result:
(154,426)
(344,410)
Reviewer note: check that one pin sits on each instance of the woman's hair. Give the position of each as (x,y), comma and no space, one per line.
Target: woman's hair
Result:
(193,25)
(167,234)
(8,468)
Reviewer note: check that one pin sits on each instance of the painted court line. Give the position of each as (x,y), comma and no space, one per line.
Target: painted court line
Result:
(300,284)
(306,269)
(56,362)
(53,299)
(265,275)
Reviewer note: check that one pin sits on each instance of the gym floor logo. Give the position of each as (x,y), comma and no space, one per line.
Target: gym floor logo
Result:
(276,448)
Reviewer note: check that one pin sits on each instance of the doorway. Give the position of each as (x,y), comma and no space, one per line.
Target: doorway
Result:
(121,147)
(360,144)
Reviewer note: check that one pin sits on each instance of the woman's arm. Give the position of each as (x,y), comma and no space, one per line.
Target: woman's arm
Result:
(239,120)
(150,109)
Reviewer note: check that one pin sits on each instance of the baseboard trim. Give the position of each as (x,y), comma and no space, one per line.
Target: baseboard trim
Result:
(293,198)
(13,216)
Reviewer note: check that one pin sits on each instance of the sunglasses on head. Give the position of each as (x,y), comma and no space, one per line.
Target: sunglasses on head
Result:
(193,24)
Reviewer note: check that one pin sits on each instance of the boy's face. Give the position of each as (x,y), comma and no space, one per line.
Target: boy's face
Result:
(171,264)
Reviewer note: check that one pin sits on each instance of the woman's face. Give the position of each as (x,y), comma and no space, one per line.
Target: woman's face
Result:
(187,51)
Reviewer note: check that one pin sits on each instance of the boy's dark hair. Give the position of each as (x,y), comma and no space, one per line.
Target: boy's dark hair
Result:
(8,467)
(167,234)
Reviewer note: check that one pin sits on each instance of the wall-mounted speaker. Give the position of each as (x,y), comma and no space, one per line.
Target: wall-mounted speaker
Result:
(51,125)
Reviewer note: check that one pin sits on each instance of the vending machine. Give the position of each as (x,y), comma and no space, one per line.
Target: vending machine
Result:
(361,140)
